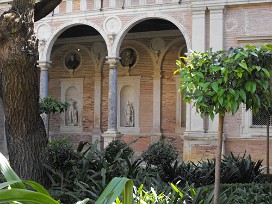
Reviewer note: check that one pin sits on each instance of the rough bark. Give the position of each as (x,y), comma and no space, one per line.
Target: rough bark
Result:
(25,131)
(218,160)
(44,7)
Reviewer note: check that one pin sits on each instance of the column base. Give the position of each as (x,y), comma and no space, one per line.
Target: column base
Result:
(109,136)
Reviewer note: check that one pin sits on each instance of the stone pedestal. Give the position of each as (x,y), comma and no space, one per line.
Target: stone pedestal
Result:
(109,136)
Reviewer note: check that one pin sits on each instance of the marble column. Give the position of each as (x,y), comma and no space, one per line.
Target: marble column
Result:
(112,132)
(44,66)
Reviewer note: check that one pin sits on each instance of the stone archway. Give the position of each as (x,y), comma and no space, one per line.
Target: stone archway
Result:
(80,83)
(148,73)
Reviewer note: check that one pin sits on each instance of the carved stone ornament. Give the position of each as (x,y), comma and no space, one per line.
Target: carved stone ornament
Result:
(128,57)
(157,44)
(98,48)
(112,25)
(72,60)
(43,32)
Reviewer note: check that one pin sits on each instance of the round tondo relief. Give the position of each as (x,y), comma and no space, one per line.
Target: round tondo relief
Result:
(128,57)
(72,60)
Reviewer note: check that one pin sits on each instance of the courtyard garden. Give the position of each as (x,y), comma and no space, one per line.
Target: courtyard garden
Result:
(156,176)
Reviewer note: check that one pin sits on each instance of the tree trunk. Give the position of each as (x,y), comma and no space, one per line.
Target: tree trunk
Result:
(267,147)
(218,160)
(25,131)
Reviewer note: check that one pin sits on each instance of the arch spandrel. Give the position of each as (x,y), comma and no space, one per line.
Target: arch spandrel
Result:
(123,32)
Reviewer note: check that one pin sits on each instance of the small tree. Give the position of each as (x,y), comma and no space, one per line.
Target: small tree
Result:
(50,105)
(218,82)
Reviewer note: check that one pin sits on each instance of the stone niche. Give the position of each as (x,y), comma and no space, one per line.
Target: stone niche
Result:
(128,104)
(72,92)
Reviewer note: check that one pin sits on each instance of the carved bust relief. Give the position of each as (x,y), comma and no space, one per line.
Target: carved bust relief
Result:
(72,60)
(128,57)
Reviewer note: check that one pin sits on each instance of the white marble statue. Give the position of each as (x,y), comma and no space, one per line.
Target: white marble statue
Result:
(73,113)
(129,113)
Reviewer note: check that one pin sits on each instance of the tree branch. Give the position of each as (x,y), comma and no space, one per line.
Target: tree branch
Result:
(44,7)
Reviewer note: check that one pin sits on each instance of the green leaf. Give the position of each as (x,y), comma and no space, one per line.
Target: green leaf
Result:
(199,74)
(243,95)
(240,74)
(232,91)
(22,195)
(234,107)
(8,183)
(205,86)
(215,86)
(251,87)
(266,72)
(8,172)
(114,189)
(237,56)
(37,187)
(254,53)
(220,99)
(243,64)
(221,92)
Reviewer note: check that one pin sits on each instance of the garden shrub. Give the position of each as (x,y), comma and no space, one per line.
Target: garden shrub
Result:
(115,147)
(160,153)
(60,155)
(86,172)
(240,169)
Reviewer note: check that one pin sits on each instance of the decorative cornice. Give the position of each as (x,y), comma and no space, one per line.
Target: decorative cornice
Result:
(254,38)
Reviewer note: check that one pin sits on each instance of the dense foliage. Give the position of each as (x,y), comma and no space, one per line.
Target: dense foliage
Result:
(86,172)
(160,153)
(52,105)
(218,82)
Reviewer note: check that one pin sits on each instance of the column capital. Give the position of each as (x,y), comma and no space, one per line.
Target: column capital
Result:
(44,65)
(199,10)
(216,9)
(113,61)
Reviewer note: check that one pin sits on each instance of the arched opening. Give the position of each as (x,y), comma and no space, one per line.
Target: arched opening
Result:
(77,57)
(157,45)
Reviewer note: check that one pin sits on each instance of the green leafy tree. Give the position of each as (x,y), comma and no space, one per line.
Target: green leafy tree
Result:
(50,105)
(218,82)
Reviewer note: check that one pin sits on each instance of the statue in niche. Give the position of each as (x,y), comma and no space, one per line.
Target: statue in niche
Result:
(128,58)
(73,113)
(72,61)
(129,113)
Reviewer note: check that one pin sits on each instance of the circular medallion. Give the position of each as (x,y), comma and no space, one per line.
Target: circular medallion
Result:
(157,44)
(98,48)
(112,25)
(72,60)
(128,57)
(43,32)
